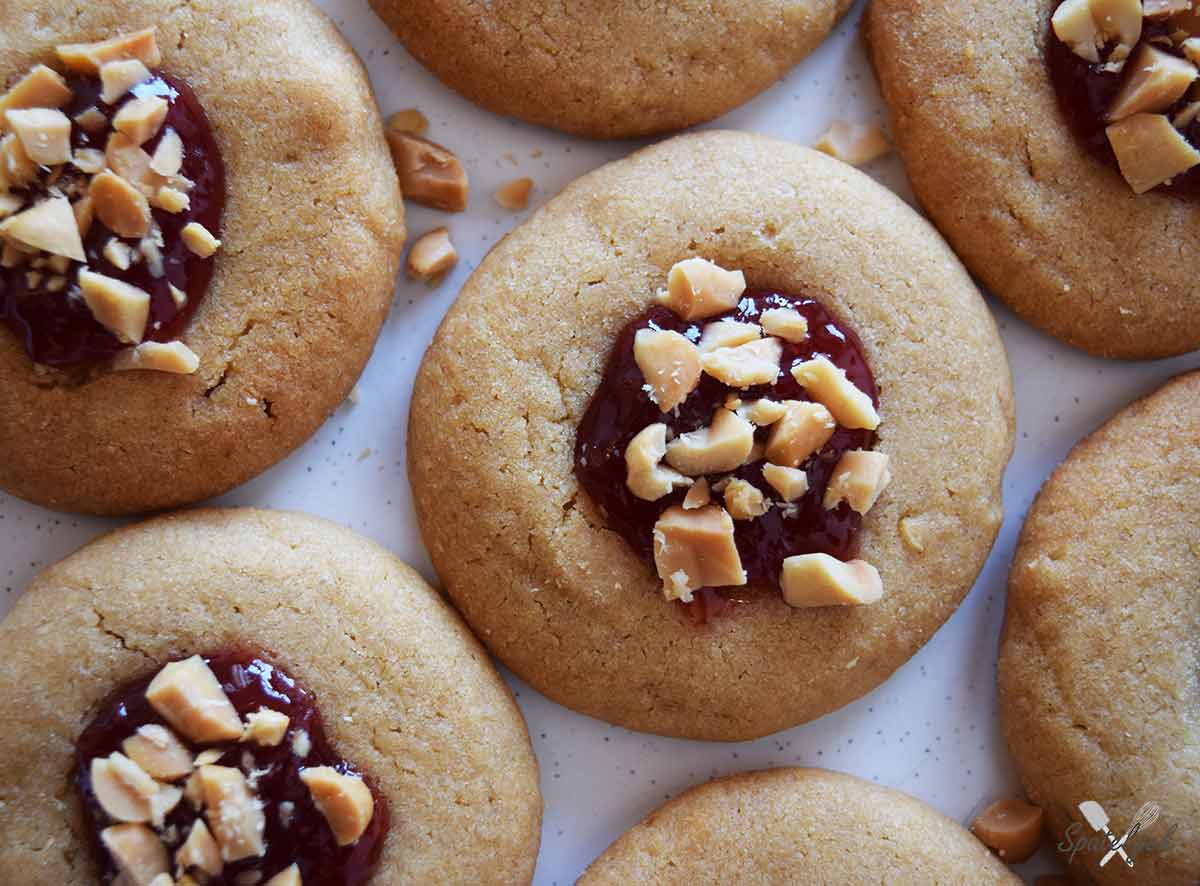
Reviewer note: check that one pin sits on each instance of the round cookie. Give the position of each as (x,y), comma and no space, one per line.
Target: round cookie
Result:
(405,690)
(1052,231)
(796,826)
(312,232)
(610,68)
(523,552)
(1099,656)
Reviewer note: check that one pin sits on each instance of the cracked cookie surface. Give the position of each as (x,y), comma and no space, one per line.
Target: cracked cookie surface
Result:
(1050,229)
(796,826)
(524,553)
(404,688)
(313,228)
(1099,669)
(610,68)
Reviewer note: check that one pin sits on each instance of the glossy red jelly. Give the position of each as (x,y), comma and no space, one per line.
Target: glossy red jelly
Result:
(620,409)
(57,328)
(1085,92)
(250,682)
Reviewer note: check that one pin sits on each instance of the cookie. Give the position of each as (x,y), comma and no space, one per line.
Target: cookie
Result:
(610,69)
(310,237)
(1053,230)
(1098,659)
(525,552)
(796,826)
(407,696)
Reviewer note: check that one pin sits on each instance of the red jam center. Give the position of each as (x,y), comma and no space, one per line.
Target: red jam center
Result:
(1086,91)
(304,836)
(57,328)
(621,408)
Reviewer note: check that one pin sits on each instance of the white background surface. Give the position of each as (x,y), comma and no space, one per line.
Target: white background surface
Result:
(931,730)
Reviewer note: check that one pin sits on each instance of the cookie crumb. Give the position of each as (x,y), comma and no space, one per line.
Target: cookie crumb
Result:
(514,195)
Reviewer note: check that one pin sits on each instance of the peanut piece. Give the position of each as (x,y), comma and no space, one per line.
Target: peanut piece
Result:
(122,788)
(669,363)
(722,446)
(190,698)
(429,174)
(266,728)
(803,430)
(88,58)
(141,118)
(698,288)
(810,580)
(200,851)
(431,256)
(18,168)
(122,208)
(168,156)
(763,412)
(344,800)
(117,78)
(288,877)
(88,161)
(42,87)
(828,385)
(129,161)
(859,479)
(139,855)
(199,240)
(1150,151)
(697,496)
(514,195)
(1156,81)
(727,334)
(744,501)
(1013,828)
(158,752)
(234,816)
(695,549)
(120,308)
(855,143)
(754,363)
(1119,20)
(49,226)
(785,323)
(174,358)
(790,483)
(644,475)
(1073,25)
(45,134)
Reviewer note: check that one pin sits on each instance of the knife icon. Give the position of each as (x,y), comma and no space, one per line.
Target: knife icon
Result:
(1095,815)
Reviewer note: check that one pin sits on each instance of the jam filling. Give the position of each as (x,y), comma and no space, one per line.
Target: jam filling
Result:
(1085,91)
(296,834)
(57,328)
(621,408)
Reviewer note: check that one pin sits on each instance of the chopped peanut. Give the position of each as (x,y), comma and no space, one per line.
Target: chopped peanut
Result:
(88,58)
(122,788)
(1150,151)
(121,207)
(234,816)
(168,156)
(790,483)
(722,446)
(199,240)
(158,752)
(669,363)
(117,78)
(695,549)
(138,853)
(266,727)
(49,226)
(431,256)
(727,334)
(697,288)
(45,134)
(828,385)
(785,323)
(803,430)
(821,580)
(344,800)
(514,195)
(645,476)
(763,412)
(855,143)
(697,496)
(189,697)
(1073,25)
(744,501)
(42,87)
(1156,81)
(200,851)
(174,358)
(744,366)
(859,479)
(429,174)
(141,118)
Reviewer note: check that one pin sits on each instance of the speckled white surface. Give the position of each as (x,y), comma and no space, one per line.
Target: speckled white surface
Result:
(931,730)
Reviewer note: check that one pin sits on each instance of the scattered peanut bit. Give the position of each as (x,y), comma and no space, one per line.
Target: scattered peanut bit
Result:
(1012,828)
(190,698)
(129,161)
(1156,81)
(669,363)
(200,851)
(88,58)
(855,143)
(698,288)
(344,800)
(141,118)
(409,120)
(89,161)
(174,358)
(177,295)
(1185,117)
(722,446)
(859,479)
(163,803)
(785,323)
(168,156)
(45,134)
(266,727)
(429,174)
(764,411)
(138,853)
(431,256)
(1119,20)
(122,788)
(803,430)
(17,166)
(157,750)
(91,121)
(695,549)
(42,87)
(645,476)
(207,758)
(1150,151)
(122,208)
(829,386)
(288,877)
(199,240)
(790,483)
(234,816)
(119,307)
(49,226)
(727,334)
(697,496)
(744,501)
(171,200)
(744,366)
(514,195)
(1074,25)
(117,78)
(810,580)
